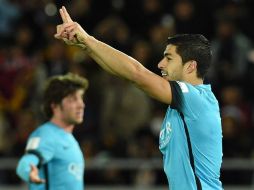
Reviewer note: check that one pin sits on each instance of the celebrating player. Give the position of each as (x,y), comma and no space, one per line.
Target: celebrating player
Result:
(191,136)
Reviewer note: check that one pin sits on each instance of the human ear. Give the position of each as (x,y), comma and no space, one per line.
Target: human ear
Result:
(53,106)
(191,66)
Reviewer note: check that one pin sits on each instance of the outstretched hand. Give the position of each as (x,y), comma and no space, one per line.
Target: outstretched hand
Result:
(70,32)
(34,175)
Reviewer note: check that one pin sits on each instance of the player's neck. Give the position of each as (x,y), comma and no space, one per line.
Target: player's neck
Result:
(194,80)
(60,123)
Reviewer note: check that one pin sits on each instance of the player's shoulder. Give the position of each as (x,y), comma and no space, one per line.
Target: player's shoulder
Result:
(44,129)
(187,88)
(43,135)
(190,88)
(184,86)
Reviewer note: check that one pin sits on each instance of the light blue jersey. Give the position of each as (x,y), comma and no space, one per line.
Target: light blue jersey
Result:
(200,112)
(59,156)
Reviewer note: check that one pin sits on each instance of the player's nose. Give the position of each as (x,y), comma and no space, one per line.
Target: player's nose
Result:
(81,104)
(161,64)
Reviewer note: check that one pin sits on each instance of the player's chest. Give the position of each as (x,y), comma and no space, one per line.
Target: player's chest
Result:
(171,131)
(68,150)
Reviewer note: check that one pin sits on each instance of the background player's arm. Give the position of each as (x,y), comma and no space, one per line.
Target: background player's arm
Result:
(39,150)
(27,169)
(114,61)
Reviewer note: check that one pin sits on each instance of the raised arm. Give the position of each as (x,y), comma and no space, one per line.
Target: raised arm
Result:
(112,60)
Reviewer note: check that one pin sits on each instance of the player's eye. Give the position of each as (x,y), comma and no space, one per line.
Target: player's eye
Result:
(168,58)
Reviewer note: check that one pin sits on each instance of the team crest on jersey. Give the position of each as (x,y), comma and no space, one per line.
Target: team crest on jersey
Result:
(76,170)
(33,143)
(165,135)
(183,87)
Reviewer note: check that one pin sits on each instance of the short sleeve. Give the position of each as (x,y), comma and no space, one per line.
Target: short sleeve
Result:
(185,99)
(24,166)
(41,142)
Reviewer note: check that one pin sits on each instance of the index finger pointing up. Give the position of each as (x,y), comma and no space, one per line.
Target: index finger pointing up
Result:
(66,15)
(63,16)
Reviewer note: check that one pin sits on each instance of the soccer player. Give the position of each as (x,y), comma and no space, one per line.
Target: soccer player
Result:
(53,158)
(191,135)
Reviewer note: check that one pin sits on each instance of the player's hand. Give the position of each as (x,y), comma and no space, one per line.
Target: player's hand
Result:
(34,175)
(70,32)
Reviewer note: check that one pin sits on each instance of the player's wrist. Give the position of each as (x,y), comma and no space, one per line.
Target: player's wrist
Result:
(83,38)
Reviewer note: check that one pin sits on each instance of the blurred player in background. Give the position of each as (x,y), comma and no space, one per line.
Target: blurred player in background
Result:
(53,158)
(191,136)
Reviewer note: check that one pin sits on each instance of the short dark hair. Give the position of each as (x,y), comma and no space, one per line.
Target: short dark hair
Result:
(193,47)
(60,86)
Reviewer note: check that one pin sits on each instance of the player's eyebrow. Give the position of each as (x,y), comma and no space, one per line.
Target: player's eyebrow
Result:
(166,54)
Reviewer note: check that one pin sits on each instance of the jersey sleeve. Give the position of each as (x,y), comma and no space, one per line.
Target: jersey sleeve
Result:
(41,144)
(24,166)
(39,150)
(186,99)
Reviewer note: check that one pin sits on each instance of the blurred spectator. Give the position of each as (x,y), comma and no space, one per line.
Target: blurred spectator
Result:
(124,108)
(9,14)
(236,123)
(114,31)
(157,35)
(5,142)
(25,40)
(26,123)
(142,51)
(16,74)
(145,178)
(152,12)
(143,144)
(185,16)
(56,59)
(230,50)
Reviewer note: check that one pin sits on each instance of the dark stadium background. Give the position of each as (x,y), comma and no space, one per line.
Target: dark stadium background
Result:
(119,135)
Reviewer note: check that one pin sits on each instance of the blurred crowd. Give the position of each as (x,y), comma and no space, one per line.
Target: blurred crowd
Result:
(120,120)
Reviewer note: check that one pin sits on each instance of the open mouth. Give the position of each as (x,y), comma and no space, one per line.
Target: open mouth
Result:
(164,73)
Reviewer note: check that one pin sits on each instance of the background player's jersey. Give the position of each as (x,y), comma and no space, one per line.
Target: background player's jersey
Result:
(201,114)
(61,159)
